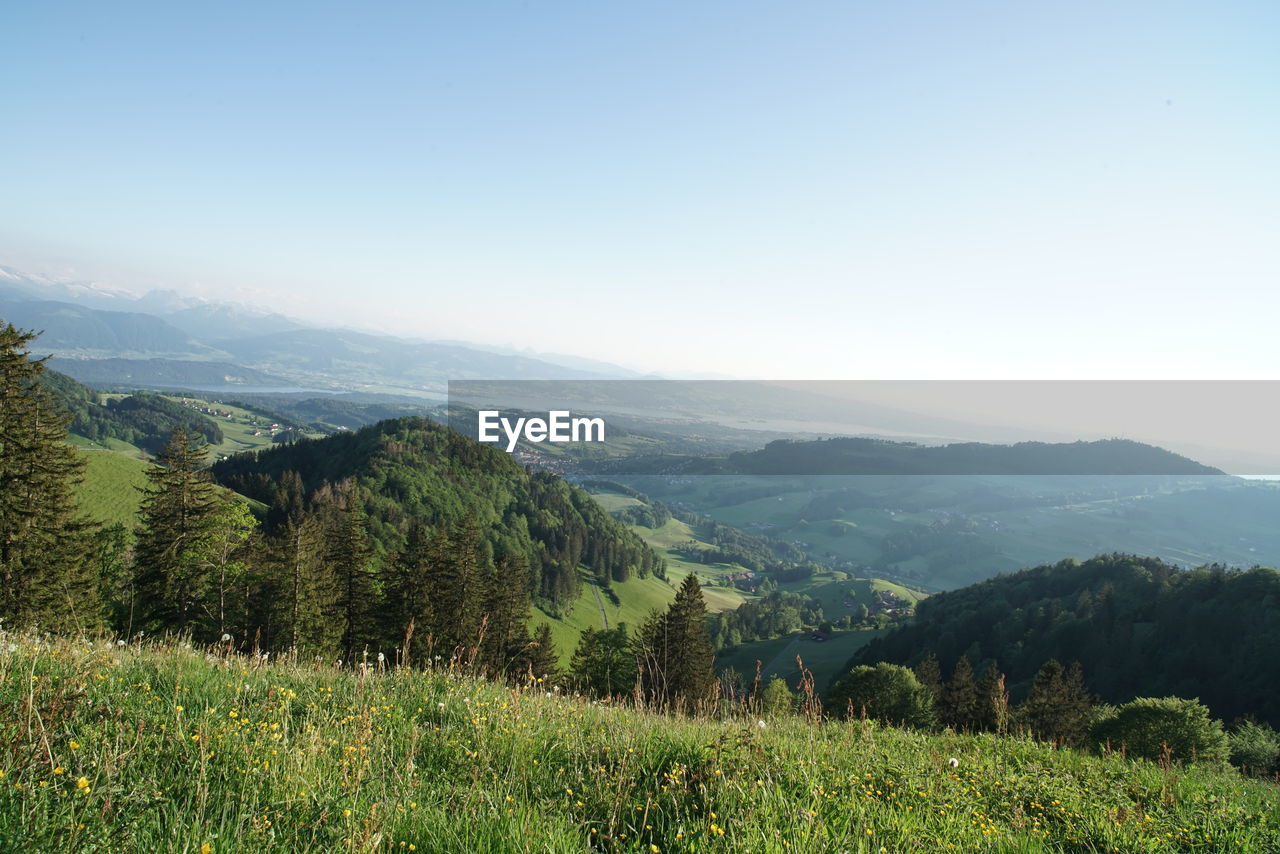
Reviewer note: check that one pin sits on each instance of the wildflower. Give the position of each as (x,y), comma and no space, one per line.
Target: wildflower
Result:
(226,638)
(58,770)
(953,762)
(83,784)
(347,813)
(75,745)
(206,849)
(761,724)
(381,658)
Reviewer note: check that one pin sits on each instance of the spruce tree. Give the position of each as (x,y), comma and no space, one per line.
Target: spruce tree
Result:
(929,674)
(993,701)
(454,586)
(542,661)
(960,698)
(348,554)
(506,609)
(674,655)
(176,537)
(304,590)
(47,577)
(1058,707)
(602,664)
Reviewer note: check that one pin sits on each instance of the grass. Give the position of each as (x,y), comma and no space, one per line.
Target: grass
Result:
(109,492)
(174,749)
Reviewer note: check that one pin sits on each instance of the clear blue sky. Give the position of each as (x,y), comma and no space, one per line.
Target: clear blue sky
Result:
(799,190)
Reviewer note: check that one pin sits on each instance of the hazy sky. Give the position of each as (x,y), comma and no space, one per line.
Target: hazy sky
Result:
(799,190)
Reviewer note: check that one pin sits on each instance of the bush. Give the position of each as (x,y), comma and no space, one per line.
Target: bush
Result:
(1256,747)
(1151,728)
(885,692)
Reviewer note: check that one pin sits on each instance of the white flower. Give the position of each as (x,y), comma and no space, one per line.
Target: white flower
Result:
(761,724)
(441,705)
(226,638)
(119,643)
(953,762)
(381,658)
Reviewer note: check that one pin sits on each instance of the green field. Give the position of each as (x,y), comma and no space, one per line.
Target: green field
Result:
(110,492)
(242,430)
(181,750)
(824,659)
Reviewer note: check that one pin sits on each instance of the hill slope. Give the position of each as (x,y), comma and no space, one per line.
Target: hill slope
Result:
(291,757)
(1139,627)
(414,469)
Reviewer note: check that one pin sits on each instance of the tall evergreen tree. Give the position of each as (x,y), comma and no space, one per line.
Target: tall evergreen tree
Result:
(348,553)
(674,654)
(960,705)
(602,663)
(176,536)
(304,590)
(929,674)
(506,612)
(993,701)
(1058,707)
(45,572)
(454,586)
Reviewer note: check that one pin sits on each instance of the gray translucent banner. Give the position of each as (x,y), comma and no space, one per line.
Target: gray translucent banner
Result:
(1062,427)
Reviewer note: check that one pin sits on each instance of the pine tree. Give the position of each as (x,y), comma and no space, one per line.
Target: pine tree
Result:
(929,673)
(304,590)
(506,608)
(993,701)
(347,552)
(674,654)
(960,698)
(602,663)
(47,577)
(542,662)
(454,586)
(176,537)
(408,609)
(1058,707)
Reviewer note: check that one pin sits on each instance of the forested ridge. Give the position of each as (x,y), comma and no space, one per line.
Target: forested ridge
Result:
(141,419)
(1138,626)
(413,470)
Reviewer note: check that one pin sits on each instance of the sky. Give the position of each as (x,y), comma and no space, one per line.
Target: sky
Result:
(809,190)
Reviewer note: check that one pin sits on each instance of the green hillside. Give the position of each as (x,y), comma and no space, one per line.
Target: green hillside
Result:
(1139,627)
(110,491)
(199,752)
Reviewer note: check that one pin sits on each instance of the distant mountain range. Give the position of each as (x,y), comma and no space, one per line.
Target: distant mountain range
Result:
(164,339)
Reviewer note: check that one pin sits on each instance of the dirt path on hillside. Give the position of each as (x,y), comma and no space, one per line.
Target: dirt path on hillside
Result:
(604,618)
(788,652)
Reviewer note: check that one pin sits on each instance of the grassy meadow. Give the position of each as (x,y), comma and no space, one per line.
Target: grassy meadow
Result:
(106,748)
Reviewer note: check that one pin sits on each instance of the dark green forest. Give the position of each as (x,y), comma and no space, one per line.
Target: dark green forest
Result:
(1138,626)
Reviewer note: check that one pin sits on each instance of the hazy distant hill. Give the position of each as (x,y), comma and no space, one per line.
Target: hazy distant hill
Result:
(859,456)
(361,357)
(165,373)
(872,456)
(74,329)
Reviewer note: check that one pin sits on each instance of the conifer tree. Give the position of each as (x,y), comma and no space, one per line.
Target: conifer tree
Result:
(454,588)
(993,701)
(960,698)
(929,674)
(408,607)
(542,661)
(602,663)
(1058,707)
(347,552)
(45,572)
(506,609)
(674,654)
(176,535)
(305,592)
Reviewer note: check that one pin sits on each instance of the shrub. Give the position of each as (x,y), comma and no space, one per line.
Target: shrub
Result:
(1151,728)
(886,692)
(1256,747)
